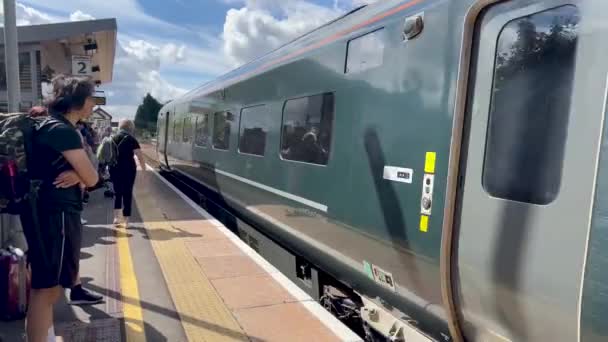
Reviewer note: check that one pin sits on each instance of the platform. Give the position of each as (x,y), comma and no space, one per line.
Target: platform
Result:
(177,274)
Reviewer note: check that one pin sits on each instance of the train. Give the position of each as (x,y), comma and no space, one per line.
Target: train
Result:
(436,170)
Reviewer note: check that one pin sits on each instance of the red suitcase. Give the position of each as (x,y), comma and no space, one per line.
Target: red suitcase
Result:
(14,284)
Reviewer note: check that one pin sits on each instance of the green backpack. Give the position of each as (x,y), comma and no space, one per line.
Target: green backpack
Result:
(16,137)
(107,152)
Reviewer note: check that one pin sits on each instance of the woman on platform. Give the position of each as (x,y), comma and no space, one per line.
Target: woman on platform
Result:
(124,172)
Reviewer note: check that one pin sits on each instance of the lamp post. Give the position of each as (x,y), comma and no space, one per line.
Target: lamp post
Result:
(11,56)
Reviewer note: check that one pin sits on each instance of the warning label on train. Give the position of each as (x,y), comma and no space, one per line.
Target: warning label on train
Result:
(398,174)
(379,275)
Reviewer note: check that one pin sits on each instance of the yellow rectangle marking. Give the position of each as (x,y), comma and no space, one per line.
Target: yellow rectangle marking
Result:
(134,321)
(424,223)
(429,163)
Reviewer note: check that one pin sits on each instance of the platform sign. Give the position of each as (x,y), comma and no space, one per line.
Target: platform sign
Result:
(81,66)
(100,98)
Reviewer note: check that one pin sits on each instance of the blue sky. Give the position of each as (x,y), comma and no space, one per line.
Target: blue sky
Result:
(167,47)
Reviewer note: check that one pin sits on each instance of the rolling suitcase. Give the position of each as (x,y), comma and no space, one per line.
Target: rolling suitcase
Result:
(14,284)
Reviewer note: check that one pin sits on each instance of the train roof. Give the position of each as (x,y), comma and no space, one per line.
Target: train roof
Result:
(352,21)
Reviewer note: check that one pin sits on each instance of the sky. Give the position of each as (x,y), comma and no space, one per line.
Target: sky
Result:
(167,47)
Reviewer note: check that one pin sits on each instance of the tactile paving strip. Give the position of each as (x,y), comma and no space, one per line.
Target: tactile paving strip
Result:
(102,330)
(203,314)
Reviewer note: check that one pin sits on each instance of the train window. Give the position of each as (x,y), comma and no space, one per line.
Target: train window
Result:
(178,130)
(365,52)
(174,130)
(255,122)
(202,130)
(187,129)
(530,106)
(222,124)
(306,129)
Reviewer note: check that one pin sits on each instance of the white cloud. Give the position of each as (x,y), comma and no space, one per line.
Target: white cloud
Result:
(172,52)
(263,25)
(125,11)
(80,16)
(152,82)
(150,54)
(363,2)
(137,72)
(30,16)
(121,112)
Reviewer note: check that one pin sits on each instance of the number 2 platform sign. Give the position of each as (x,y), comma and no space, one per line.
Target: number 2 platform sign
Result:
(81,65)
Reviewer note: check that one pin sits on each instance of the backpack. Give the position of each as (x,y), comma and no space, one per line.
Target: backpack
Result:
(16,138)
(107,152)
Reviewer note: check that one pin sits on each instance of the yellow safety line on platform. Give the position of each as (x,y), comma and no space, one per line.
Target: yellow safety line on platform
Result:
(133,316)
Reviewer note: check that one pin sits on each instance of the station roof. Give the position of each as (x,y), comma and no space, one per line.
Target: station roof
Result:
(102,113)
(74,34)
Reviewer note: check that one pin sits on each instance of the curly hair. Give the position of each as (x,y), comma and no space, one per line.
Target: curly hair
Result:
(70,93)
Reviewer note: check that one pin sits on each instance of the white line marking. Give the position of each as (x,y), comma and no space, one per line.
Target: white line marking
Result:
(597,167)
(312,204)
(331,322)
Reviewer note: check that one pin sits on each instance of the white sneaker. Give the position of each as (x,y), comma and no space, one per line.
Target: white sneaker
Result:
(51,335)
(83,221)
(117,217)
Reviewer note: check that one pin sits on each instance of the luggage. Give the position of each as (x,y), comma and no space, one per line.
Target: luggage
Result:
(15,284)
(11,232)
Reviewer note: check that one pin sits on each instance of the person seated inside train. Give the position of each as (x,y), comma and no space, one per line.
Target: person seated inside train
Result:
(308,149)
(222,137)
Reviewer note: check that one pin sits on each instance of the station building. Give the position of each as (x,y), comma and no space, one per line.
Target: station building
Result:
(85,48)
(101,119)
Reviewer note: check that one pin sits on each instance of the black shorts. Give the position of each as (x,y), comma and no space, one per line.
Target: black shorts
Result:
(54,249)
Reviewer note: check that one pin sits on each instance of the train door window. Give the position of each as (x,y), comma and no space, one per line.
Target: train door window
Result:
(187,129)
(160,130)
(255,122)
(530,106)
(159,125)
(202,130)
(178,130)
(174,121)
(222,125)
(306,129)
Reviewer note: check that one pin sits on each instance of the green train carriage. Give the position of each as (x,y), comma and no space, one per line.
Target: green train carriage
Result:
(444,160)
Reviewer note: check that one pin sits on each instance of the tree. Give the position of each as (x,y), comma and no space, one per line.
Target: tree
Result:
(147,114)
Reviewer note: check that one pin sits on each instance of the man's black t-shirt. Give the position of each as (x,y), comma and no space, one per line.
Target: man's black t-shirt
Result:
(54,136)
(126,144)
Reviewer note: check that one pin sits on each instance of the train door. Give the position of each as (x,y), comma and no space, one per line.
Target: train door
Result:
(532,129)
(163,131)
